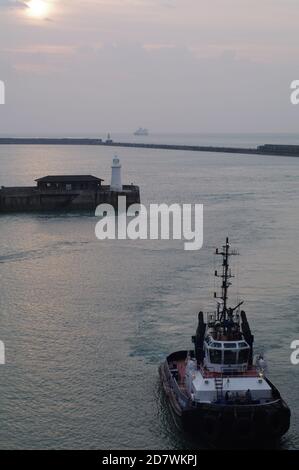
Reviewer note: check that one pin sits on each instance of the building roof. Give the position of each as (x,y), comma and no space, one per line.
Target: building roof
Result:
(69,179)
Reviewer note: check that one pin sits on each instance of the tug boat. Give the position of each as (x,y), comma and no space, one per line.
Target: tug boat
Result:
(218,390)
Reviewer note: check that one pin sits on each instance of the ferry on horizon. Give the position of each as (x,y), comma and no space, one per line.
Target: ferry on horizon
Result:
(141,132)
(219,390)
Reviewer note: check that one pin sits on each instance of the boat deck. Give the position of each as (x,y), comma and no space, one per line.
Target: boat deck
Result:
(178,367)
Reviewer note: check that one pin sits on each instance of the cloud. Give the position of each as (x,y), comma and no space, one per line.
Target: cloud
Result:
(182,65)
(12,4)
(151,47)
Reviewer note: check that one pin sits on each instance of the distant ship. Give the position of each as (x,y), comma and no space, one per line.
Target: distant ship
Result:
(141,131)
(218,391)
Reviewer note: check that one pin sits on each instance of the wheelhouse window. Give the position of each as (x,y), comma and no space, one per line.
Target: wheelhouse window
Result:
(243,356)
(230,357)
(215,356)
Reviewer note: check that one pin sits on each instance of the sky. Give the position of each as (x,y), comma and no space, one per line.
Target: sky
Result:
(77,67)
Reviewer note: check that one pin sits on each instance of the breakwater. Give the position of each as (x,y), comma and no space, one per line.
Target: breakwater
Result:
(267,149)
(33,199)
(65,192)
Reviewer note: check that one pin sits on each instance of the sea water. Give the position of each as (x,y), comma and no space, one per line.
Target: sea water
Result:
(86,323)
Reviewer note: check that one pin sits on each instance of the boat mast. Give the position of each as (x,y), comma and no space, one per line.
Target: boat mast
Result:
(226,275)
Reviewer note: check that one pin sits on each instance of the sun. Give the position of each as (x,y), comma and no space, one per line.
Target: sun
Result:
(38,9)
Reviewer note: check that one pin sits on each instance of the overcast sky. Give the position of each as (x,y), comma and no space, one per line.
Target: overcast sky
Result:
(95,66)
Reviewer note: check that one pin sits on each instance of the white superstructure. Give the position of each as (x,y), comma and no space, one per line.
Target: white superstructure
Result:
(207,387)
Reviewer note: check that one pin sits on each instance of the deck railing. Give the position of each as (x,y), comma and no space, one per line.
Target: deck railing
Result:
(242,372)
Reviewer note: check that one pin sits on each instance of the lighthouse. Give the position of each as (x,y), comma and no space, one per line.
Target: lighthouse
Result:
(116,184)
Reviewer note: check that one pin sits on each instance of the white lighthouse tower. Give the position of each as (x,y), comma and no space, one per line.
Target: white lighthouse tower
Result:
(116,184)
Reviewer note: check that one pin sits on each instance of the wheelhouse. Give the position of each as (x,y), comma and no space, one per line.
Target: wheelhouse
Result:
(222,355)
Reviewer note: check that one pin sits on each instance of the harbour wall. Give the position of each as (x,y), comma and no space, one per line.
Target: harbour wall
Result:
(31,199)
(267,149)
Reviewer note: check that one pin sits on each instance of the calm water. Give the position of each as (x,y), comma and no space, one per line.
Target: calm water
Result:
(86,323)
